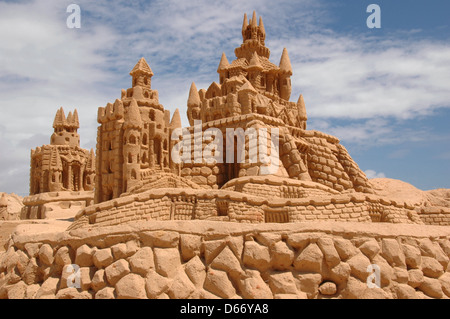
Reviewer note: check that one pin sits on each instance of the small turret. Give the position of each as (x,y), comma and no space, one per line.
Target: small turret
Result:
(176,120)
(254,70)
(222,69)
(285,76)
(132,140)
(142,74)
(302,118)
(193,104)
(253,36)
(65,129)
(285,62)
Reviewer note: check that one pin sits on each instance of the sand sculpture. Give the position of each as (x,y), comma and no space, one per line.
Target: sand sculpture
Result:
(315,178)
(303,224)
(61,173)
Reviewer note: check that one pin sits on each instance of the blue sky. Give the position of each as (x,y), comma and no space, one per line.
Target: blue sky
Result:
(384,92)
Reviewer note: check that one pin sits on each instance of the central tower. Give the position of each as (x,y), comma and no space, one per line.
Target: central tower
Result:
(249,84)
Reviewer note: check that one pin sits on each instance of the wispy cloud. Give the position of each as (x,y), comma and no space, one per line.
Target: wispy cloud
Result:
(372,174)
(45,65)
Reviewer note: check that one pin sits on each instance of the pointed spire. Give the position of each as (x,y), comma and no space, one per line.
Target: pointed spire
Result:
(133,116)
(69,119)
(223,63)
(3,201)
(255,63)
(244,24)
(194,97)
(176,120)
(261,26)
(254,23)
(60,118)
(285,62)
(248,87)
(142,67)
(301,108)
(76,121)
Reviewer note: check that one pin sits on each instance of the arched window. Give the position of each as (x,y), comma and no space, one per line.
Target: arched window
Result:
(132,139)
(130,158)
(133,174)
(144,158)
(144,139)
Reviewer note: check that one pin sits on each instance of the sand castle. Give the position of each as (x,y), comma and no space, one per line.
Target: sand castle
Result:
(244,203)
(314,177)
(62,174)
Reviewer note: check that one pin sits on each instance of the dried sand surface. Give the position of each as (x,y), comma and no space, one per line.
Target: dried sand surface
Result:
(402,191)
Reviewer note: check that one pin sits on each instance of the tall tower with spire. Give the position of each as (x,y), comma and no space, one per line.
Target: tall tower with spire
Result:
(133,138)
(250,72)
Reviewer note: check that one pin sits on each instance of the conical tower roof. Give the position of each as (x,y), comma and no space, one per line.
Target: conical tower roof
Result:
(244,25)
(133,116)
(60,118)
(194,97)
(261,26)
(255,63)
(176,119)
(223,63)
(141,67)
(285,62)
(69,119)
(301,107)
(76,121)
(247,86)
(254,22)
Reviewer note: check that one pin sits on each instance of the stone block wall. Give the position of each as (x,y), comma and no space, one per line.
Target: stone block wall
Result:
(40,206)
(189,204)
(435,215)
(198,259)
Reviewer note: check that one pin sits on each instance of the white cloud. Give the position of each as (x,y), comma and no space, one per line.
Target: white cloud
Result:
(342,76)
(372,174)
(45,65)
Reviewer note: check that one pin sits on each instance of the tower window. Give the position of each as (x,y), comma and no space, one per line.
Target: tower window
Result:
(144,139)
(130,158)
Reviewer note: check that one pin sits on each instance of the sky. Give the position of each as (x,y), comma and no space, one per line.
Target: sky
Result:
(384,92)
